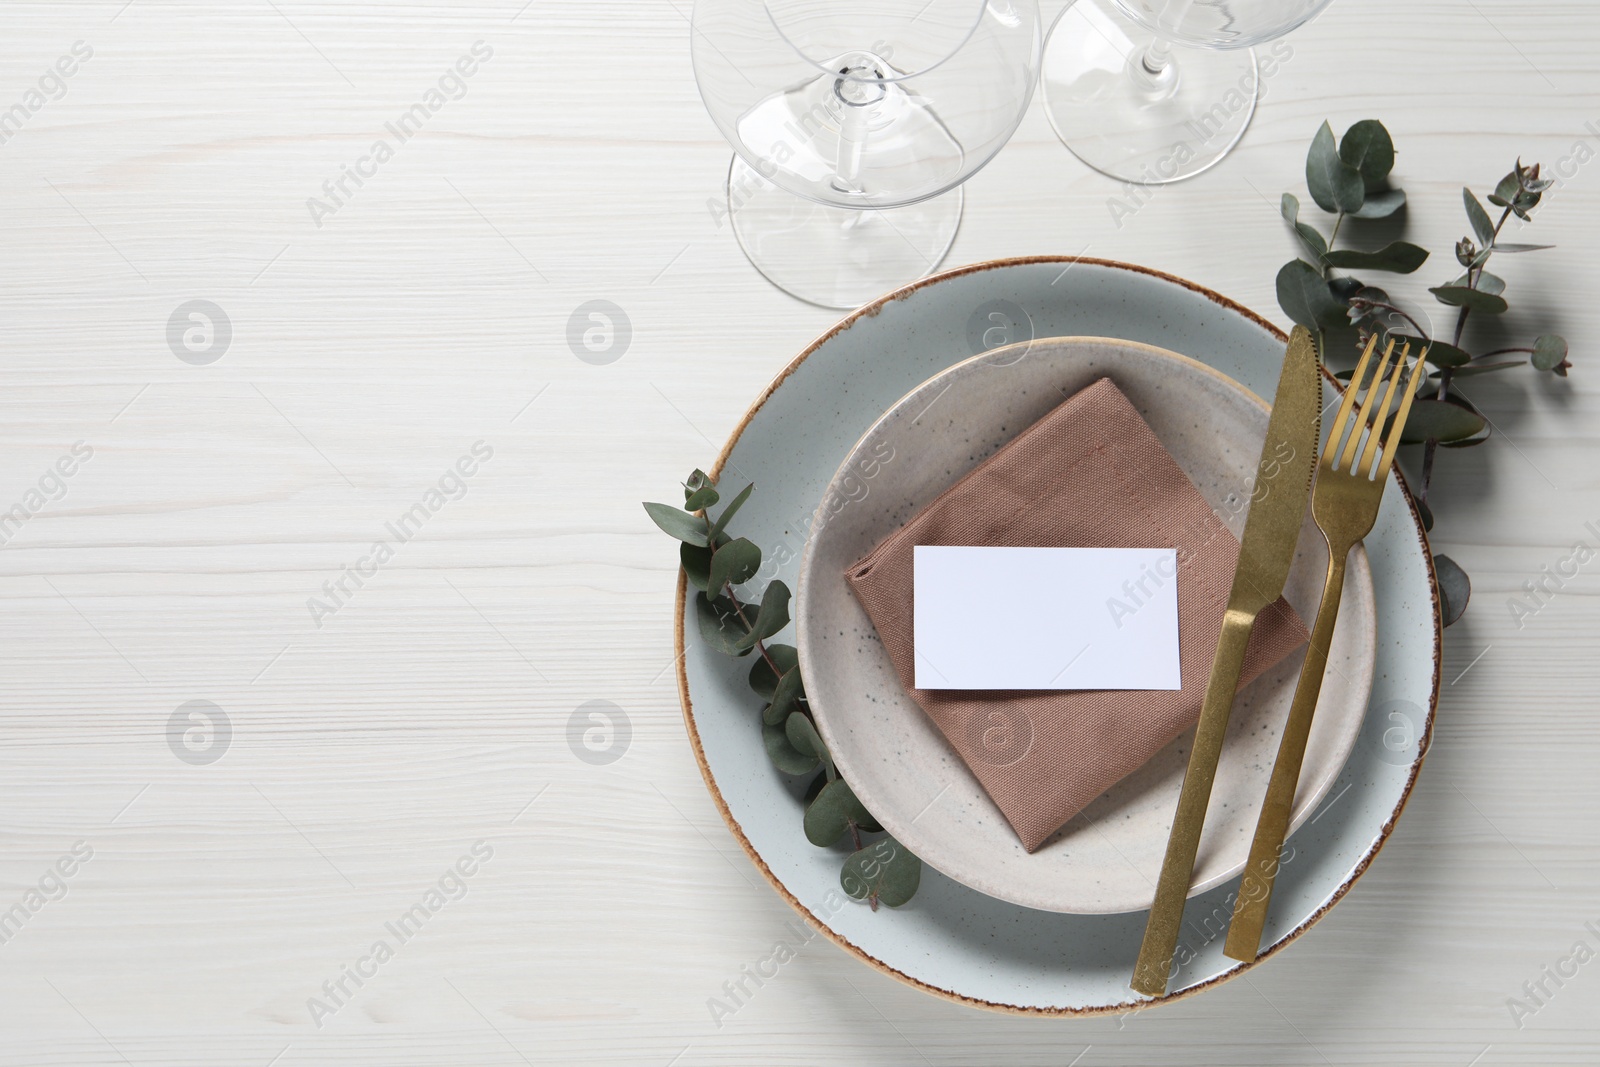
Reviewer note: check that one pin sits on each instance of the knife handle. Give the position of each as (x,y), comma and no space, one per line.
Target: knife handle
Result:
(1151,971)
(1272,826)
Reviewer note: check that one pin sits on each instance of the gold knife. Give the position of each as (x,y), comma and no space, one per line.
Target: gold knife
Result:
(1271,529)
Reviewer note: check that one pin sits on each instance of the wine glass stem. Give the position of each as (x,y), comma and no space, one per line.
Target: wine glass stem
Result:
(1155,70)
(852,144)
(1156,57)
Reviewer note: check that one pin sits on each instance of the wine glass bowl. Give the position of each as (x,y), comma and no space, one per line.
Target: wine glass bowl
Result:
(868,108)
(1221,24)
(1155,91)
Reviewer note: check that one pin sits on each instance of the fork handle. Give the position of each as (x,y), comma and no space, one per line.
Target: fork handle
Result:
(1272,827)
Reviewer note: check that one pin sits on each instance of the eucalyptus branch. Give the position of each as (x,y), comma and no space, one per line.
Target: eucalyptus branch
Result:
(1348,178)
(716,563)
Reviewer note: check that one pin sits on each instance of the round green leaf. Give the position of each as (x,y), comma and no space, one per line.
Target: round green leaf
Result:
(1441,420)
(1368,148)
(1455,588)
(1306,298)
(733,563)
(699,499)
(1549,351)
(786,697)
(1492,284)
(762,678)
(1334,184)
(1475,299)
(1426,512)
(773,616)
(1441,354)
(804,737)
(884,871)
(719,624)
(1381,203)
(828,817)
(784,755)
(816,786)
(696,564)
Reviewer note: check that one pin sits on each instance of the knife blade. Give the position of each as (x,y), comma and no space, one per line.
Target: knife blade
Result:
(1271,530)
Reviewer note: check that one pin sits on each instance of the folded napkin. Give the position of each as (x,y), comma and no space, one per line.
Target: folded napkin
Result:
(1089,474)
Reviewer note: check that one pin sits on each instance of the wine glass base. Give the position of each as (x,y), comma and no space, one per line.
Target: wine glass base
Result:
(837,257)
(1134,124)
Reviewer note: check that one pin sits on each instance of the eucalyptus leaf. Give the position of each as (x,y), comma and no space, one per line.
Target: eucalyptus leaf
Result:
(1549,351)
(1507,246)
(1342,338)
(719,624)
(784,755)
(773,616)
(828,817)
(1474,369)
(762,678)
(1309,235)
(1334,184)
(804,737)
(696,562)
(1442,421)
(1492,284)
(1347,288)
(700,499)
(1441,354)
(1426,512)
(883,872)
(686,527)
(1476,300)
(734,563)
(773,716)
(786,697)
(816,786)
(1400,257)
(1482,225)
(1306,298)
(1368,148)
(1455,588)
(1380,204)
(697,480)
(732,509)
(1507,190)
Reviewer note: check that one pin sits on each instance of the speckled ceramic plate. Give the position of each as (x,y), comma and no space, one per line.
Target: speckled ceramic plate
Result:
(1107,858)
(953,941)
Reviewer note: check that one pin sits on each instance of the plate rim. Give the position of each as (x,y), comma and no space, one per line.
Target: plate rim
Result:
(1250,396)
(1424,740)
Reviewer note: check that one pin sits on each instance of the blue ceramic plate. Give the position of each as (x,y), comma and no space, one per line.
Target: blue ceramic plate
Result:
(951,940)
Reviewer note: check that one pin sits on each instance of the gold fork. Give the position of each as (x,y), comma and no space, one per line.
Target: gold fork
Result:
(1344,504)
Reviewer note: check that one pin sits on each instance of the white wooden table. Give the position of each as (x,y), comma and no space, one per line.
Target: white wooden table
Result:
(421,713)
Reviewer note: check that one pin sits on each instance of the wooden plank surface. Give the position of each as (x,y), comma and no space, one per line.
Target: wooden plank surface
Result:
(368,754)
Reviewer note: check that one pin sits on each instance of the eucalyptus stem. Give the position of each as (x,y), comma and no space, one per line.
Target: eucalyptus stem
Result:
(738,608)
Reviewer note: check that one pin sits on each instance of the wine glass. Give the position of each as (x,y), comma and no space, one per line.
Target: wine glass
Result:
(849,119)
(1154,91)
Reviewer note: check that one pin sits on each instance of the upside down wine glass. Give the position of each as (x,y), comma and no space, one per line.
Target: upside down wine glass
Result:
(1154,91)
(853,124)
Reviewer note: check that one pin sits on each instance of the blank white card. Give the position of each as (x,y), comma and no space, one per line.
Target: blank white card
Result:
(1046,618)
